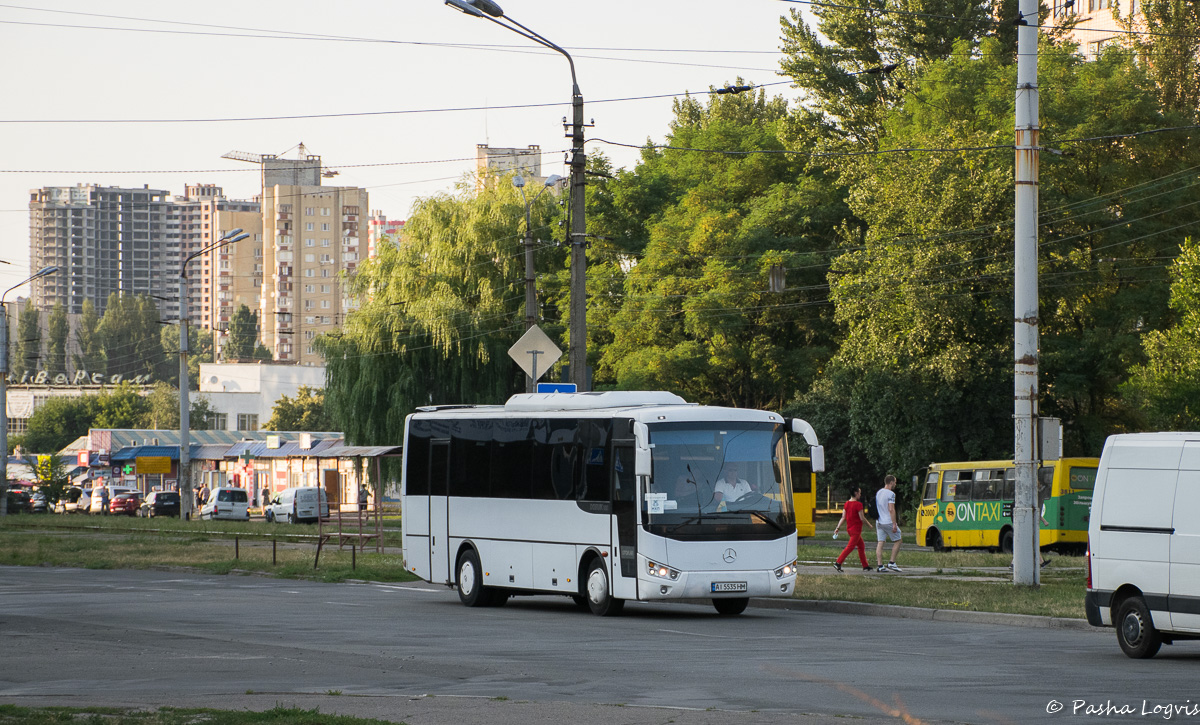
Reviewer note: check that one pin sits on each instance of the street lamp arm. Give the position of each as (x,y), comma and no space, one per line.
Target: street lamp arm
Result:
(539,39)
(219,243)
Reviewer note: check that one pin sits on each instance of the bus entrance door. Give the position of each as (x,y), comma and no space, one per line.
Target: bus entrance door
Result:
(624,521)
(439,477)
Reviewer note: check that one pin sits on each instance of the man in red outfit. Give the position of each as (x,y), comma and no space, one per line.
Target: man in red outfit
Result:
(856,519)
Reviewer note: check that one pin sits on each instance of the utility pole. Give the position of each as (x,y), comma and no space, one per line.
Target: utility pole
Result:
(1025,297)
(577,358)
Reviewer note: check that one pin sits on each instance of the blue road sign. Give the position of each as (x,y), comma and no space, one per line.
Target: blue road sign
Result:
(556,387)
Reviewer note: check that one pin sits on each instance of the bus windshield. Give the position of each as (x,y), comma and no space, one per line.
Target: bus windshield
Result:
(719,480)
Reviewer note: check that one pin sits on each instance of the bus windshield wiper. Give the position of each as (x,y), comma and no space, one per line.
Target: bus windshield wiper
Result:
(686,522)
(766,518)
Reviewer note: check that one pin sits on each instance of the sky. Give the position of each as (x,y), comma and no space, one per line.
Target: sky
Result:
(133,93)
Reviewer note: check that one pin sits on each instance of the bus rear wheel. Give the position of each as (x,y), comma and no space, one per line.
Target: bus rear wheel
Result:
(599,594)
(1006,541)
(730,607)
(471,591)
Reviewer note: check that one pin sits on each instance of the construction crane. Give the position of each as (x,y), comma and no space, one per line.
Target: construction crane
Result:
(259,158)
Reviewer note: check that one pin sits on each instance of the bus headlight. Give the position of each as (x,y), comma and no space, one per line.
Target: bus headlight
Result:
(661,571)
(786,570)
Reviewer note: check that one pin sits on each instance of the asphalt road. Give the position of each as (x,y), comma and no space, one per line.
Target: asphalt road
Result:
(413,653)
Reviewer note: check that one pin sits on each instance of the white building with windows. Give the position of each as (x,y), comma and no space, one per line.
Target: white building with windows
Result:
(244,394)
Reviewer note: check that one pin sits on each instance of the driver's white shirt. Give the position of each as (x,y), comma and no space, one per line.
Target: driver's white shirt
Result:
(732,491)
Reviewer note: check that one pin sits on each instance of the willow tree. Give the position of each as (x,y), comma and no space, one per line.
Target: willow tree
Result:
(441,305)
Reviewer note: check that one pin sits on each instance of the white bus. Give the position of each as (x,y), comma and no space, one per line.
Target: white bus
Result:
(602,497)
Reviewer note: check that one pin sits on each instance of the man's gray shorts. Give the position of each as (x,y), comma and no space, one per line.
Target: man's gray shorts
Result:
(883,532)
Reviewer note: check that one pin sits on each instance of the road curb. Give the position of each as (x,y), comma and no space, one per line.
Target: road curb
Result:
(937,615)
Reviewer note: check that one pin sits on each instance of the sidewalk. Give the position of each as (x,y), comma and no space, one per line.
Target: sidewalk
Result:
(997,574)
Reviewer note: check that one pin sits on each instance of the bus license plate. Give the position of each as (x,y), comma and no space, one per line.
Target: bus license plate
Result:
(729,586)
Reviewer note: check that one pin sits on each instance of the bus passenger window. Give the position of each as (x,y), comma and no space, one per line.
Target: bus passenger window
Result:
(962,491)
(1010,484)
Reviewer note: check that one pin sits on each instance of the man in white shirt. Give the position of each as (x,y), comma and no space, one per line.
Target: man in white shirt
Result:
(887,528)
(729,487)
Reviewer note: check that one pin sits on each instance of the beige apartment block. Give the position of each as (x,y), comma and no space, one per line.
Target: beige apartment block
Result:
(1097,21)
(196,221)
(527,162)
(233,273)
(312,238)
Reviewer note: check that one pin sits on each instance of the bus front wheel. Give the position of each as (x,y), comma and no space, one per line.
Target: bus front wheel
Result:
(730,607)
(934,540)
(1006,541)
(599,594)
(470,580)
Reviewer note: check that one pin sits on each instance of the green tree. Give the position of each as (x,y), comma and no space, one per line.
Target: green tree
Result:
(243,335)
(304,412)
(121,406)
(926,303)
(1170,51)
(28,348)
(131,337)
(56,344)
(855,61)
(200,350)
(1166,388)
(442,309)
(90,341)
(56,423)
(697,315)
(162,409)
(51,475)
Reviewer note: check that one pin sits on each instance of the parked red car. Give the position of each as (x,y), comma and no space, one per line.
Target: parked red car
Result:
(126,503)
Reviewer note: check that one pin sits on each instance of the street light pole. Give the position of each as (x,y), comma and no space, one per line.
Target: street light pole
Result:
(185,442)
(4,380)
(577,354)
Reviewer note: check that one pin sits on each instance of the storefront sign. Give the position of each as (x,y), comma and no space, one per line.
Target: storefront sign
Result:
(153,464)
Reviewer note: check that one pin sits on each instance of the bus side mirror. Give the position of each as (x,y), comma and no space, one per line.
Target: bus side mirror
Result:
(817,456)
(642,462)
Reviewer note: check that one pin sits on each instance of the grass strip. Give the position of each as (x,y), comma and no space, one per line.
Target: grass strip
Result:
(199,552)
(172,716)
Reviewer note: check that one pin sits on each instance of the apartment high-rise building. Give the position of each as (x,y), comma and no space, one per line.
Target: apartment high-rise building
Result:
(311,235)
(195,220)
(103,239)
(379,227)
(492,161)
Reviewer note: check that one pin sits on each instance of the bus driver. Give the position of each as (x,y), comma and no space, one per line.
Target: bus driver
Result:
(729,487)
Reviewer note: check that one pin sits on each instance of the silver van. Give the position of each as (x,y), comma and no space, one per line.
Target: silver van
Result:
(296,504)
(1143,562)
(226,503)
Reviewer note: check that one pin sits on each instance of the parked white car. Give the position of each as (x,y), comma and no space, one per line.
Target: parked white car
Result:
(297,504)
(1144,541)
(231,504)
